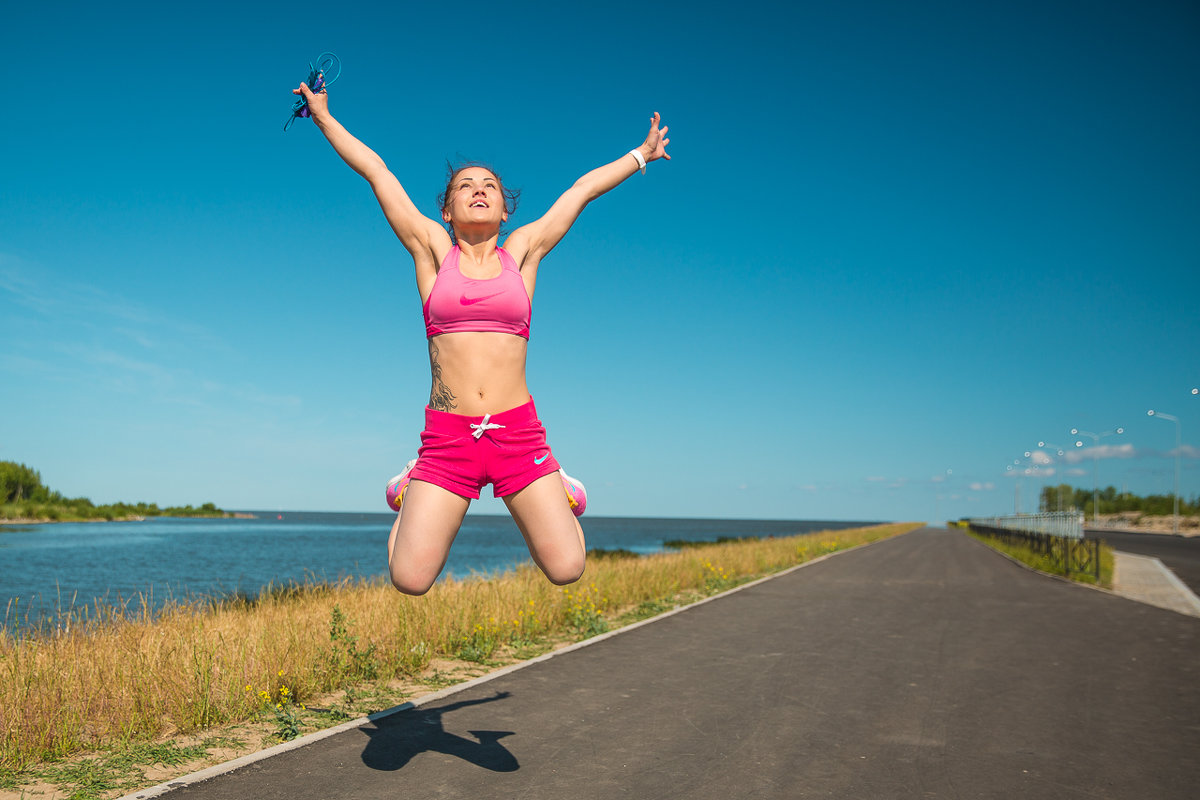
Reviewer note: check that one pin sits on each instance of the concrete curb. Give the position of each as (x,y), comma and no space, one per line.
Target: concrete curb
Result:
(312,738)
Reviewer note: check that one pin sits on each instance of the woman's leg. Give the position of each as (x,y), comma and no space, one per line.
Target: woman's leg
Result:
(422,534)
(552,532)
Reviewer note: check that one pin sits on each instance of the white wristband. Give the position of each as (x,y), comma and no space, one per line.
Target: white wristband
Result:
(638,157)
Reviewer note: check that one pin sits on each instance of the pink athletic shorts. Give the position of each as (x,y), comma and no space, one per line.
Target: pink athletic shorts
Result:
(463,454)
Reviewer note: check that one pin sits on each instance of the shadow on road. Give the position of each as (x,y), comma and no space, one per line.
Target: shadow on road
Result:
(395,740)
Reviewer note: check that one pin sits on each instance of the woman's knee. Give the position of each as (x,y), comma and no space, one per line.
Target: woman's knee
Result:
(421,536)
(412,574)
(565,569)
(411,582)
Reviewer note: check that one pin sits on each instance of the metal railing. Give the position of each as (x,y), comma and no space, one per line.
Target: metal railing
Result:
(1057,535)
(1068,524)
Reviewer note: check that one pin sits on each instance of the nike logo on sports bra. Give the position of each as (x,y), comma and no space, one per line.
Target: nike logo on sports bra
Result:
(470,301)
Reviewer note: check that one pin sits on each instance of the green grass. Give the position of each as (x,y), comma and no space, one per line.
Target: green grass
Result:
(1044,563)
(116,770)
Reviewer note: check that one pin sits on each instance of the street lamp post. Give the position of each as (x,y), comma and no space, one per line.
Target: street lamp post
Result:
(1095,437)
(1029,470)
(1178,446)
(1061,453)
(1016,487)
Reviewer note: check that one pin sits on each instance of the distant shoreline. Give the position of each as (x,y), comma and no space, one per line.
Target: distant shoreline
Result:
(134,518)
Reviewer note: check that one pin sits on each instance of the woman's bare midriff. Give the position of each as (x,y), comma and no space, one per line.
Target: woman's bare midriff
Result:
(476,373)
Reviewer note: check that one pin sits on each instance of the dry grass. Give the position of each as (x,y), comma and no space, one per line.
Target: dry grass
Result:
(114,681)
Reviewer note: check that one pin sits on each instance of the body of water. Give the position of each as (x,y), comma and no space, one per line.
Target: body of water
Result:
(45,569)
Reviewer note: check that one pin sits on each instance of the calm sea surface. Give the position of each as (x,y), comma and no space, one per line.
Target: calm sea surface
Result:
(45,569)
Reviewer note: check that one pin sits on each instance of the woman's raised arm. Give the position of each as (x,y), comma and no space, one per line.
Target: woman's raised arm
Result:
(529,243)
(424,238)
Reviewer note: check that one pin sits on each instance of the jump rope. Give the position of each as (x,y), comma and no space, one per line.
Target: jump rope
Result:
(328,68)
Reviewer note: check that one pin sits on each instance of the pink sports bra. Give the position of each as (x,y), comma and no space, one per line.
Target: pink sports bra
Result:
(493,305)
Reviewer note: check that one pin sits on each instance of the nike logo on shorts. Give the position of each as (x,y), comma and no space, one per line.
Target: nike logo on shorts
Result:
(537,460)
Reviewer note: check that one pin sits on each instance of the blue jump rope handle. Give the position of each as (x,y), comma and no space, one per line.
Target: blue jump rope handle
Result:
(326,71)
(315,83)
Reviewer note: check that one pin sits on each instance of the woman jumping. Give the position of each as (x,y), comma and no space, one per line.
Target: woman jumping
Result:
(480,425)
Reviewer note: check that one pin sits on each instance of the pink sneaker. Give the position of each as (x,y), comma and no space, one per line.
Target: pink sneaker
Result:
(397,485)
(576,494)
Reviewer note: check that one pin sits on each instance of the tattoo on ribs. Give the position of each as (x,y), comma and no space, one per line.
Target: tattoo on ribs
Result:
(440,396)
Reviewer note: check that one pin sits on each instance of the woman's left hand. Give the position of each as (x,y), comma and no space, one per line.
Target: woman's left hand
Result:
(655,146)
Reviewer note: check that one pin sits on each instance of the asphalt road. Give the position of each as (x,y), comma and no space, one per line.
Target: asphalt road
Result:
(925,666)
(1180,554)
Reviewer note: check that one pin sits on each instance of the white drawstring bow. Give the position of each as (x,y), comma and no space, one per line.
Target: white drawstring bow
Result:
(484,426)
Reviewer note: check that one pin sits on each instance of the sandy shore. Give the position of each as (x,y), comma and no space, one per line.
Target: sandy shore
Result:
(1145,523)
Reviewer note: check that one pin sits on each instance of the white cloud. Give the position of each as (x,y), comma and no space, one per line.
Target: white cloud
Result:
(1101,452)
(91,336)
(104,357)
(63,299)
(984,486)
(889,483)
(70,302)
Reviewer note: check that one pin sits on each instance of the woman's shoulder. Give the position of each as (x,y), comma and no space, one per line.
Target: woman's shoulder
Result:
(516,248)
(507,260)
(438,256)
(429,263)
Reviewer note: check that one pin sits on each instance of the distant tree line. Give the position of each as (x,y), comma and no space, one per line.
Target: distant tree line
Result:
(1067,498)
(24,496)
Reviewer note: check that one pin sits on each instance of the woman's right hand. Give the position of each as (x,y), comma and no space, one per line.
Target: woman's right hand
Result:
(318,103)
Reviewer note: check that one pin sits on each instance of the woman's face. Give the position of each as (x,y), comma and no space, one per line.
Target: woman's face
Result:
(476,198)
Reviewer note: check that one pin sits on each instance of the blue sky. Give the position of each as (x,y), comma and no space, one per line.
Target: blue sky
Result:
(897,245)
